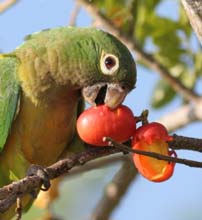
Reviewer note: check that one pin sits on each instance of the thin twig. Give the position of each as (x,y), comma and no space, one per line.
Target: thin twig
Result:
(124,148)
(193,9)
(18,209)
(74,14)
(182,116)
(148,59)
(97,164)
(134,14)
(6,5)
(114,191)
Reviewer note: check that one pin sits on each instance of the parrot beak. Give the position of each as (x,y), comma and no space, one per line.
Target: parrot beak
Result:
(111,94)
(115,95)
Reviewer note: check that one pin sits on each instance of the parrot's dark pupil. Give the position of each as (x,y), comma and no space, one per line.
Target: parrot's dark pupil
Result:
(109,62)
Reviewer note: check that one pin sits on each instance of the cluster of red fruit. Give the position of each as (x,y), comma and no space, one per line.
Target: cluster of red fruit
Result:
(120,125)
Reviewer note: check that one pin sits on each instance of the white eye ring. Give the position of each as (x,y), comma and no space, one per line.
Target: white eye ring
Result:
(109,63)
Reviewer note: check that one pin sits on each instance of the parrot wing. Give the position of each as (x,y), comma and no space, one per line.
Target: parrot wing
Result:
(9,95)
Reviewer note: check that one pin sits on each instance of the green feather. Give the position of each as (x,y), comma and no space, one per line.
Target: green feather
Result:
(9,95)
(73,54)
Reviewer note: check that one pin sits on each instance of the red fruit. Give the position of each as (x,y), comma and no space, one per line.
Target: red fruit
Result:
(101,121)
(152,138)
(152,131)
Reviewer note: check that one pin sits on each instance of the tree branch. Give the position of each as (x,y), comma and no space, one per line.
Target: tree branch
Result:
(148,59)
(185,143)
(157,156)
(74,14)
(10,193)
(193,9)
(182,116)
(96,164)
(6,4)
(114,191)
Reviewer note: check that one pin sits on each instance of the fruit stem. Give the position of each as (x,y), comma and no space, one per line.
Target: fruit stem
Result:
(143,117)
(125,148)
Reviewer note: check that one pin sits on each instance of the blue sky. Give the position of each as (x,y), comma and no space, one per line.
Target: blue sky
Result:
(176,199)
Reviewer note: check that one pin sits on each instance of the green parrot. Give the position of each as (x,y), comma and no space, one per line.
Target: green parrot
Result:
(43,85)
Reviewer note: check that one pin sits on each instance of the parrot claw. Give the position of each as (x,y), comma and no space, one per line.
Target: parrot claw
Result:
(41,172)
(82,162)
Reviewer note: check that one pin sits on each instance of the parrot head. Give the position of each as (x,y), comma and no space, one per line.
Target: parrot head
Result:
(87,59)
(111,70)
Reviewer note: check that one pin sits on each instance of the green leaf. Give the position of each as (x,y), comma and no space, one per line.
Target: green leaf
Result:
(198,63)
(188,78)
(162,95)
(184,21)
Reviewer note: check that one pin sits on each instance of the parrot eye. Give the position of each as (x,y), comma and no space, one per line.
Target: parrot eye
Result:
(109,64)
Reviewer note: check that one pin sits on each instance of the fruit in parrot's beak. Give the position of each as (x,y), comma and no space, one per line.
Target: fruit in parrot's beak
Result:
(101,121)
